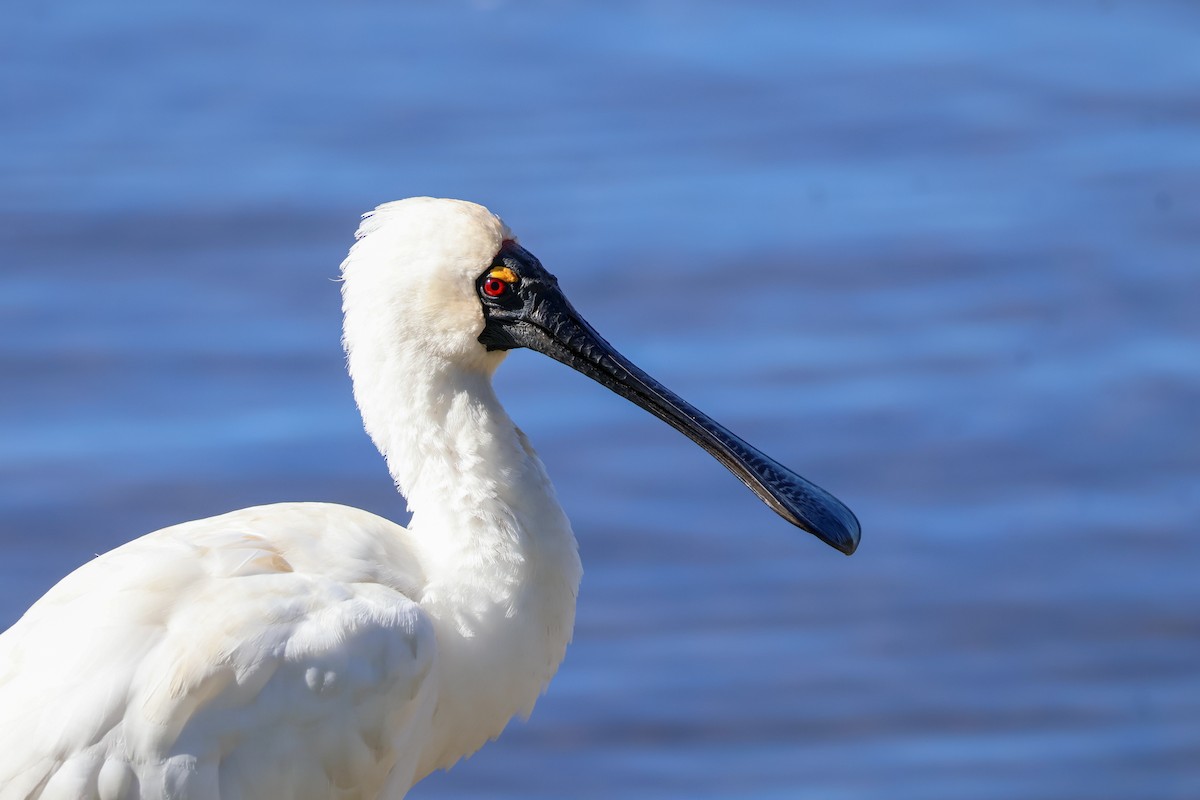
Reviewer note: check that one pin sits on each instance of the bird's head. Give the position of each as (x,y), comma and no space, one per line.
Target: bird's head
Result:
(446,282)
(412,278)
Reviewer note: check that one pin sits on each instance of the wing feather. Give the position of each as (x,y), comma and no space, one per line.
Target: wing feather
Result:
(272,652)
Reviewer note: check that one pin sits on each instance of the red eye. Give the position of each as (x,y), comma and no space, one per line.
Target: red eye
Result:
(494,287)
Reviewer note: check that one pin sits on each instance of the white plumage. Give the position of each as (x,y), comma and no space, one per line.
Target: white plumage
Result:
(311,651)
(252,654)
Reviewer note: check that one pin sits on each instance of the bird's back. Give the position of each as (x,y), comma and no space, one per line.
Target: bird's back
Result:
(275,651)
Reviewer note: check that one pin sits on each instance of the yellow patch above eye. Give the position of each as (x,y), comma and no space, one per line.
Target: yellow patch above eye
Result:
(505,274)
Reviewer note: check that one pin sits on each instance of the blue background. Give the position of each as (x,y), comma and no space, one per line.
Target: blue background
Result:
(942,258)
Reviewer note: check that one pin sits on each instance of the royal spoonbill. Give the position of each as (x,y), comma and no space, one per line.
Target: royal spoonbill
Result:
(311,651)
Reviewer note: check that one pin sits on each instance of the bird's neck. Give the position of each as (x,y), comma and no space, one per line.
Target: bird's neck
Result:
(501,566)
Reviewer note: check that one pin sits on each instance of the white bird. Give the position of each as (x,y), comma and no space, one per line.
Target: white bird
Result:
(313,651)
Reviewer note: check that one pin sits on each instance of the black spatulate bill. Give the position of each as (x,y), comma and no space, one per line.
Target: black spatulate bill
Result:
(523,307)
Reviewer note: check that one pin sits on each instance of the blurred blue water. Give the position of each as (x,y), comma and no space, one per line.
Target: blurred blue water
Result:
(942,258)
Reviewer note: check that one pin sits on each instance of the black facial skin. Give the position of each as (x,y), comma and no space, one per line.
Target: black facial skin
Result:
(534,313)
